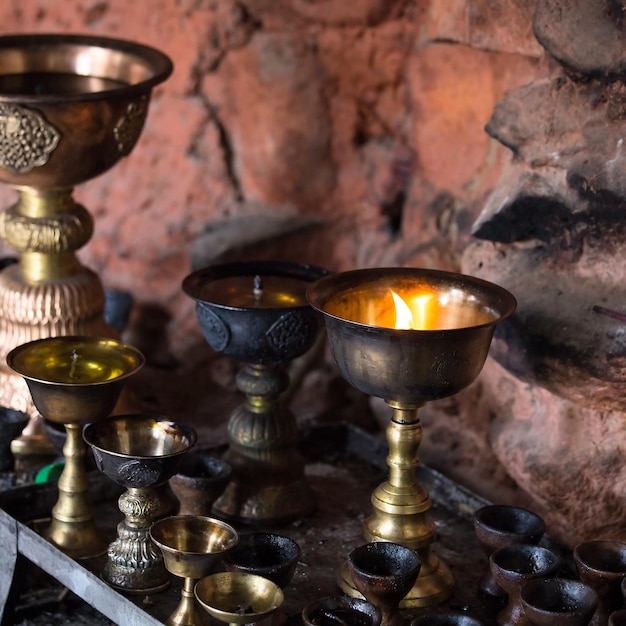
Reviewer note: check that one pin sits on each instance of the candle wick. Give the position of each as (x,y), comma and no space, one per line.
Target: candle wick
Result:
(73,364)
(258,289)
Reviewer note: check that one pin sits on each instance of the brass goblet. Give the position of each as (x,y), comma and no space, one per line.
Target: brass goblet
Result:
(191,546)
(138,452)
(256,312)
(435,351)
(71,106)
(238,597)
(74,380)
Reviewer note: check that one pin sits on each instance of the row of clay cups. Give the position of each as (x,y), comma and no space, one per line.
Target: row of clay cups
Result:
(600,564)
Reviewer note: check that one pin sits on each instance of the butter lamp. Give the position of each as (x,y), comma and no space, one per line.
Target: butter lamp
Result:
(408,336)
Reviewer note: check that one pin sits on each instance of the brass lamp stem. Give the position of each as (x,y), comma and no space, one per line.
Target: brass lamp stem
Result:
(72,528)
(401,512)
(134,563)
(188,612)
(268,482)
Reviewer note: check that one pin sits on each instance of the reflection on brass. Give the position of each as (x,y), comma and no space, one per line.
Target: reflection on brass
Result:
(140,453)
(73,381)
(68,229)
(256,312)
(408,368)
(192,546)
(26,138)
(70,107)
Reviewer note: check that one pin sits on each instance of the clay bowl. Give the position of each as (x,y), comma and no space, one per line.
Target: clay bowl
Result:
(446,619)
(199,482)
(341,610)
(601,564)
(500,525)
(266,554)
(514,566)
(384,573)
(558,602)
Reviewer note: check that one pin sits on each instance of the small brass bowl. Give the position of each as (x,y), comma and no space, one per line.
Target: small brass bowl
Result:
(192,544)
(238,597)
(75,379)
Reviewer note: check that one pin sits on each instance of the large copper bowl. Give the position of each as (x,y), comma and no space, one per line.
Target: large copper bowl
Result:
(71,105)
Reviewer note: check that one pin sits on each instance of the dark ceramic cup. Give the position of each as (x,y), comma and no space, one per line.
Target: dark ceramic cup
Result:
(500,525)
(446,619)
(341,611)
(558,602)
(199,482)
(384,572)
(266,554)
(601,564)
(514,566)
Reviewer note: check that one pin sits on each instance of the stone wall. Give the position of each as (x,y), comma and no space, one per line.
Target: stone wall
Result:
(345,134)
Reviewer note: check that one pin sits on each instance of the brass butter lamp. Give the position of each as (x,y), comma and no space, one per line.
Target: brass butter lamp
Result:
(257,313)
(71,106)
(139,453)
(74,380)
(192,547)
(408,336)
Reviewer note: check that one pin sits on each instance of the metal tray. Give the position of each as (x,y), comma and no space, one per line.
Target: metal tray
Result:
(344,465)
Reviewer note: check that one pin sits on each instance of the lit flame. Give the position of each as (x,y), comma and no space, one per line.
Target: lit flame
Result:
(418,316)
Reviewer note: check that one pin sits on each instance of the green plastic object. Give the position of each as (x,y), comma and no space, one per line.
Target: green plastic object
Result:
(49,473)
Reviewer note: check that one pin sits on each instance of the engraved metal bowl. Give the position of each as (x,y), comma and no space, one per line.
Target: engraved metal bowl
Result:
(138,451)
(266,335)
(71,105)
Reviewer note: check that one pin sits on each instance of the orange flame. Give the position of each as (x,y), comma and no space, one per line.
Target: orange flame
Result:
(418,315)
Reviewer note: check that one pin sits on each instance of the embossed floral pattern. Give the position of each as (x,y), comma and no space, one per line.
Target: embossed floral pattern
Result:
(26,138)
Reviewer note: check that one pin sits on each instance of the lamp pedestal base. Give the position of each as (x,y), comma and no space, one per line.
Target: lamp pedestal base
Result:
(401,513)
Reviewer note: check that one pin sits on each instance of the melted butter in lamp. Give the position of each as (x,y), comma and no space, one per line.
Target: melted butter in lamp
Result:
(76,367)
(261,292)
(81,370)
